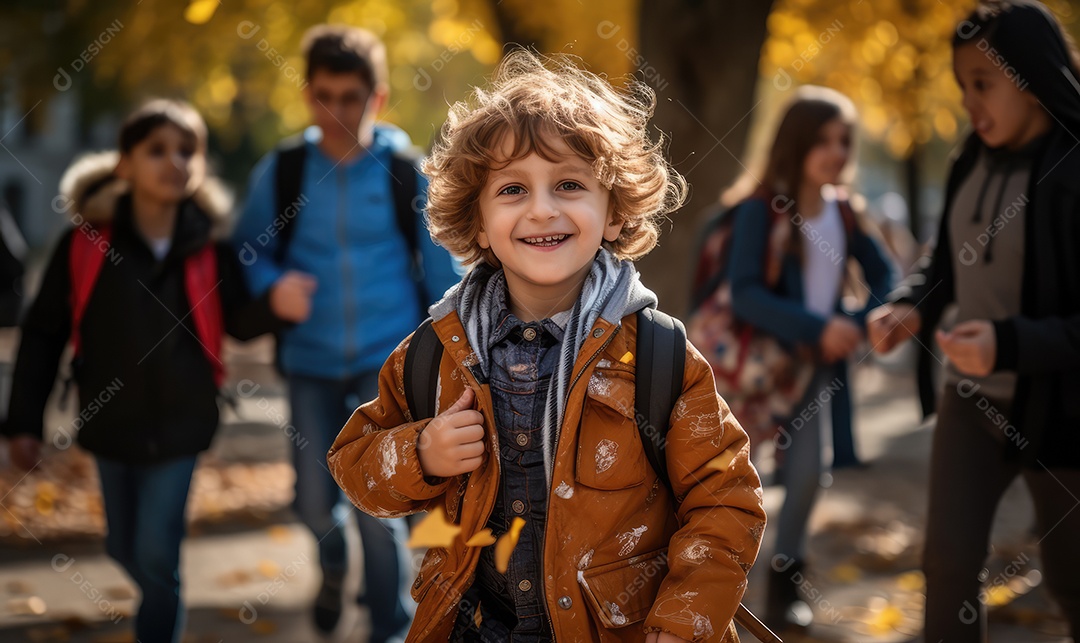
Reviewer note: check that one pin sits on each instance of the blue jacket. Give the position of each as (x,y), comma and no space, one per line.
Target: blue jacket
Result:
(347,237)
(782,311)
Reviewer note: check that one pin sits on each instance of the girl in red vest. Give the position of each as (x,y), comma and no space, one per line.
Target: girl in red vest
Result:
(144,293)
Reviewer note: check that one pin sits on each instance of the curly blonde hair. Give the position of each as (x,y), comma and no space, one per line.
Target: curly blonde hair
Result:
(532,99)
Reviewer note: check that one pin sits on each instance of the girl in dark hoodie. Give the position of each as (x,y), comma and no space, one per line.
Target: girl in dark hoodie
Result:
(1006,255)
(145,295)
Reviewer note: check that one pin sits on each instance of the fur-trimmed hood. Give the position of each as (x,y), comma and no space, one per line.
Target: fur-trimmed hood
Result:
(90,191)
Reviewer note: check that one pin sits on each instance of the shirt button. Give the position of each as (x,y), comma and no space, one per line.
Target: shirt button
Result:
(529,334)
(518,507)
(566,602)
(522,439)
(525,585)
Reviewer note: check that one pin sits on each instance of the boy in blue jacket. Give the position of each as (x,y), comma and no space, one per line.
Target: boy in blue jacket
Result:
(343,256)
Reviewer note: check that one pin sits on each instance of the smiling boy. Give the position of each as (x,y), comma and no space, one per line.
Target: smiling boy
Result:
(548,184)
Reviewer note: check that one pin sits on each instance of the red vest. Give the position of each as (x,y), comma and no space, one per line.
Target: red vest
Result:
(88,251)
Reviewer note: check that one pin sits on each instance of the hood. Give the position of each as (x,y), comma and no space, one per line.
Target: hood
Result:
(91,191)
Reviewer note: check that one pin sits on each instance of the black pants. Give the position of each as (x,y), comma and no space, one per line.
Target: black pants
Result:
(968,475)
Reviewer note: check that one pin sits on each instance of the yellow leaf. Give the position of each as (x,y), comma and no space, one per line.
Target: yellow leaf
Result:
(199,12)
(269,569)
(911,582)
(264,627)
(280,534)
(506,543)
(722,461)
(847,573)
(999,595)
(482,538)
(625,359)
(886,620)
(434,531)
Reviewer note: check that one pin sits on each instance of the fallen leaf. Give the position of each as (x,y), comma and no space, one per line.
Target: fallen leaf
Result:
(506,543)
(280,534)
(269,569)
(911,582)
(886,620)
(846,573)
(434,531)
(264,627)
(482,538)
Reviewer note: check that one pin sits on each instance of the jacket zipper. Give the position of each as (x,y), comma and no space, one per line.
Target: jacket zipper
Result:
(346,282)
(551,488)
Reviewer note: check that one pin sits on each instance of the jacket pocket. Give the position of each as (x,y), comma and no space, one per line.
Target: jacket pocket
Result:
(431,570)
(610,455)
(623,592)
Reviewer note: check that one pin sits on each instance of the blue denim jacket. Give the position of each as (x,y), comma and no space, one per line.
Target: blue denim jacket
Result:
(523,359)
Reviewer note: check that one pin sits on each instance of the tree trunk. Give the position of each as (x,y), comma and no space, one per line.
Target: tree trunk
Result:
(701,57)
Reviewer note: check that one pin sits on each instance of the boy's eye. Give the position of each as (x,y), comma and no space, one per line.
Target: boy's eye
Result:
(156,150)
(512,190)
(569,185)
(979,85)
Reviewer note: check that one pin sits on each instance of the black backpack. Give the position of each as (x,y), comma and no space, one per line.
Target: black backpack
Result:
(661,357)
(404,168)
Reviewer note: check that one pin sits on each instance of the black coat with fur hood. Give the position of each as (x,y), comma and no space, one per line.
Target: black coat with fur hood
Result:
(146,389)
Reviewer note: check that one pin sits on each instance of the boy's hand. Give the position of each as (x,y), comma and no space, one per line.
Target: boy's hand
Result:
(290,296)
(971,346)
(892,324)
(25,451)
(663,637)
(839,339)
(453,442)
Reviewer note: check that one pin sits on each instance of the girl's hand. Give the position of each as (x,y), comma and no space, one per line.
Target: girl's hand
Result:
(892,324)
(839,339)
(453,442)
(25,451)
(971,346)
(663,637)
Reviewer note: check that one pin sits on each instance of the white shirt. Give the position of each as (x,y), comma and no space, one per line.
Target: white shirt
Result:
(824,251)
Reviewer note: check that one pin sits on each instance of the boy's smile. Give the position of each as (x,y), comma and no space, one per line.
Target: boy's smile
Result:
(544,220)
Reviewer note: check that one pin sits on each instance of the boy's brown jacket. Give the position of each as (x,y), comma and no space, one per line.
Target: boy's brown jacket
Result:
(617,551)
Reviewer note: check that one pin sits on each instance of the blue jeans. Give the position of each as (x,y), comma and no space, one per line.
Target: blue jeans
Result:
(144,509)
(320,408)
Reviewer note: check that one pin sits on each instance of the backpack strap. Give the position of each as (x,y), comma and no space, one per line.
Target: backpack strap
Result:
(422,371)
(405,184)
(661,359)
(85,259)
(200,285)
(288,178)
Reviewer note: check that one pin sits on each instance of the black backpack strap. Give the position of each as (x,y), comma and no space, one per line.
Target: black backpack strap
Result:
(288,178)
(661,359)
(405,184)
(422,359)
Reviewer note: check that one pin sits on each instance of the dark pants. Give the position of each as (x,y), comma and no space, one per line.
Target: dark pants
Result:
(144,509)
(320,408)
(968,475)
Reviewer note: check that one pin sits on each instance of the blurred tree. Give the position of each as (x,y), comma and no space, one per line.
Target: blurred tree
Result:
(238,62)
(706,103)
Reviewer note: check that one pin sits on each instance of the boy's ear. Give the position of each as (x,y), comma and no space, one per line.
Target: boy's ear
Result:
(612,229)
(482,239)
